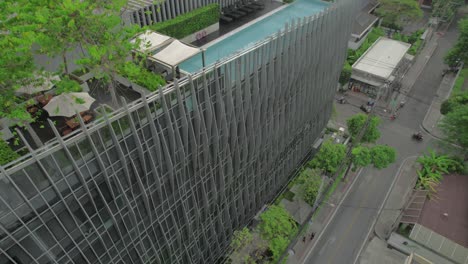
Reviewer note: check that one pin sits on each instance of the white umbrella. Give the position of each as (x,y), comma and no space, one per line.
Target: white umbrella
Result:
(68,104)
(43,85)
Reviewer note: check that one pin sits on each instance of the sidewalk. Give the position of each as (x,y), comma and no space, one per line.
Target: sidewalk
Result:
(398,198)
(320,219)
(433,115)
(411,76)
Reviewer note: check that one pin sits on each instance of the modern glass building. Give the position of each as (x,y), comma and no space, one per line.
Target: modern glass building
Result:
(169,178)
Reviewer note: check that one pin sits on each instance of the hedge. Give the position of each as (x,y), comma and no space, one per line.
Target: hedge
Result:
(6,153)
(189,23)
(141,76)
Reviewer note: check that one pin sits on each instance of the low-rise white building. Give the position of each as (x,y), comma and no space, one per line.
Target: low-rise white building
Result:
(377,66)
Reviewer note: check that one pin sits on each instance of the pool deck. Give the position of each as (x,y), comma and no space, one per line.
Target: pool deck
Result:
(226,30)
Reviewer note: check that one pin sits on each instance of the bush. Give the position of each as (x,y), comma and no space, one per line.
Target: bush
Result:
(353,56)
(457,99)
(277,226)
(6,153)
(189,23)
(329,157)
(345,73)
(141,76)
(241,238)
(311,187)
(457,87)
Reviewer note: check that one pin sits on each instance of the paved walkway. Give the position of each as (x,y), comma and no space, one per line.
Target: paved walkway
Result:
(433,116)
(398,198)
(408,246)
(320,219)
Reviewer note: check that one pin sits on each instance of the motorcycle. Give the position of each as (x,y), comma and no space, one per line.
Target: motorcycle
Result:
(342,100)
(418,136)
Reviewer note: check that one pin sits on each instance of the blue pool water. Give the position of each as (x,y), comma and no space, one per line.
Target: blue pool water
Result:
(254,33)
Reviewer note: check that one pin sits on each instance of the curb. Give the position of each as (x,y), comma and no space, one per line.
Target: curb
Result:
(438,99)
(374,222)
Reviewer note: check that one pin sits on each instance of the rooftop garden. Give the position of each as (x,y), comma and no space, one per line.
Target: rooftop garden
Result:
(100,47)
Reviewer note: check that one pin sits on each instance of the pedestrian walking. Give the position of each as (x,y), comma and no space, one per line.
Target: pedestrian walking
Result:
(312,236)
(303,239)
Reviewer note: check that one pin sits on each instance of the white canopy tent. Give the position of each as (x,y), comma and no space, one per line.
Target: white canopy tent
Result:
(175,53)
(166,51)
(151,41)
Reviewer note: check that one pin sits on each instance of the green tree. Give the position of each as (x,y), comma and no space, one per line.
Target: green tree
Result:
(6,153)
(356,124)
(277,246)
(311,186)
(277,226)
(445,10)
(361,157)
(329,157)
(436,165)
(382,156)
(398,12)
(16,59)
(454,102)
(455,127)
(460,49)
(345,73)
(433,167)
(241,238)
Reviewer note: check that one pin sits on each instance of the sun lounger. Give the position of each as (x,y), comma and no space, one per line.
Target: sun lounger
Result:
(225,19)
(253,5)
(256,3)
(244,9)
(229,13)
(232,9)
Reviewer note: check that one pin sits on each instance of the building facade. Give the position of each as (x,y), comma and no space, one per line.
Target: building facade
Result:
(148,12)
(169,178)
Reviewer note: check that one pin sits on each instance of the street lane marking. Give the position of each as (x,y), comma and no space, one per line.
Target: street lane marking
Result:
(381,207)
(332,216)
(349,227)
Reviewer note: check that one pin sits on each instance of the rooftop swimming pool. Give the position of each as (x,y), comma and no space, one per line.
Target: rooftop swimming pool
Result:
(254,33)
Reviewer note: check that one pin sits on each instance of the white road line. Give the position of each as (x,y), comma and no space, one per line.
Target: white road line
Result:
(332,216)
(381,207)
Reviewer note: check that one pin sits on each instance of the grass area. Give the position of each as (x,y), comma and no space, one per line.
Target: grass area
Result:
(457,88)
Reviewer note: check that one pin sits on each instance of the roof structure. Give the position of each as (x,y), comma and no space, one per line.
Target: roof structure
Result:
(175,53)
(151,41)
(381,59)
(447,213)
(362,23)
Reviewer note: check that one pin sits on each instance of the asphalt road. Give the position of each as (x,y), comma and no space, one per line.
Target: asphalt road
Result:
(347,231)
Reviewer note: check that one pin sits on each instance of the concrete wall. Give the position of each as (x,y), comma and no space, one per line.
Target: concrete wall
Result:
(169,178)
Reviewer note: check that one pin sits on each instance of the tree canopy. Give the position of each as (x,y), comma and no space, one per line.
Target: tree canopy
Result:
(460,49)
(362,156)
(398,12)
(455,126)
(277,226)
(453,102)
(311,185)
(356,123)
(329,157)
(382,156)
